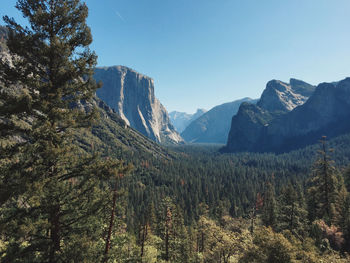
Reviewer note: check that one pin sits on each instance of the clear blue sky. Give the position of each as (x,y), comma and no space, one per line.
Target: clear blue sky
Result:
(202,53)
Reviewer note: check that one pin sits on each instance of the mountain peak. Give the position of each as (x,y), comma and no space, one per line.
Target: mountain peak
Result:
(284,97)
(131,95)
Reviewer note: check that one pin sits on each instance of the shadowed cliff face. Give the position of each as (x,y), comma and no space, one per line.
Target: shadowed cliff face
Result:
(131,95)
(247,127)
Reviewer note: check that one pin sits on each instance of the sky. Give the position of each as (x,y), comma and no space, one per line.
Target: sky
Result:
(202,53)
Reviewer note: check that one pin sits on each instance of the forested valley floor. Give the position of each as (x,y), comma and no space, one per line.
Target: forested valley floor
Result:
(78,185)
(203,206)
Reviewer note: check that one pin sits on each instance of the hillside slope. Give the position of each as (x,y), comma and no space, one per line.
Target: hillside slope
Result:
(214,125)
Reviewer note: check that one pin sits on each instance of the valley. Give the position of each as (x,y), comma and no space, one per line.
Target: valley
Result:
(93,168)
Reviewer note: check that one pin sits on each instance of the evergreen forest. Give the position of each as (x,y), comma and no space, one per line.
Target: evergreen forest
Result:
(70,193)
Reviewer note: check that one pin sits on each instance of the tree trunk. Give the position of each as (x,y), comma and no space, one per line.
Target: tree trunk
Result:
(252,223)
(111,223)
(54,233)
(143,239)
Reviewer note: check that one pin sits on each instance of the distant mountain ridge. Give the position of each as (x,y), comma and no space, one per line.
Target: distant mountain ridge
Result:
(214,125)
(181,120)
(305,115)
(131,95)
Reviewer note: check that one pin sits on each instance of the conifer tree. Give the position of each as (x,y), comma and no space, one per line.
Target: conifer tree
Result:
(292,213)
(322,189)
(347,178)
(269,210)
(175,241)
(50,190)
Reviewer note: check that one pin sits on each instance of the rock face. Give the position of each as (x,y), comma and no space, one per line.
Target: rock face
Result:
(111,134)
(326,112)
(181,120)
(281,96)
(214,125)
(249,125)
(131,95)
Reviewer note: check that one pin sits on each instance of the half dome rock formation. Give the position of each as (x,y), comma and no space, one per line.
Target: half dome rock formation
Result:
(181,120)
(131,95)
(214,125)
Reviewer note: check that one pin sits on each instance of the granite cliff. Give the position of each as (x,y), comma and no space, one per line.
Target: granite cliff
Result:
(131,95)
(281,96)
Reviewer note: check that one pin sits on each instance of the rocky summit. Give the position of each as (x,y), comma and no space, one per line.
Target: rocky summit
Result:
(131,95)
(281,96)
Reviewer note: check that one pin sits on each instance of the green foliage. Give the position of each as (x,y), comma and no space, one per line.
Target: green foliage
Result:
(292,214)
(60,201)
(268,247)
(51,192)
(171,229)
(323,188)
(269,209)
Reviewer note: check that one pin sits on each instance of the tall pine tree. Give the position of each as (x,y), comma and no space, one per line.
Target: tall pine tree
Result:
(322,191)
(51,191)
(292,212)
(269,209)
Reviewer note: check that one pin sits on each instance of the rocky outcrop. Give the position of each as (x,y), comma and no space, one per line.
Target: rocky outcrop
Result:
(248,127)
(181,120)
(281,96)
(131,95)
(214,125)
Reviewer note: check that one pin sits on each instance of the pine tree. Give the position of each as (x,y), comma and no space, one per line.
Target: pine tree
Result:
(51,191)
(292,213)
(269,210)
(322,189)
(173,233)
(347,178)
